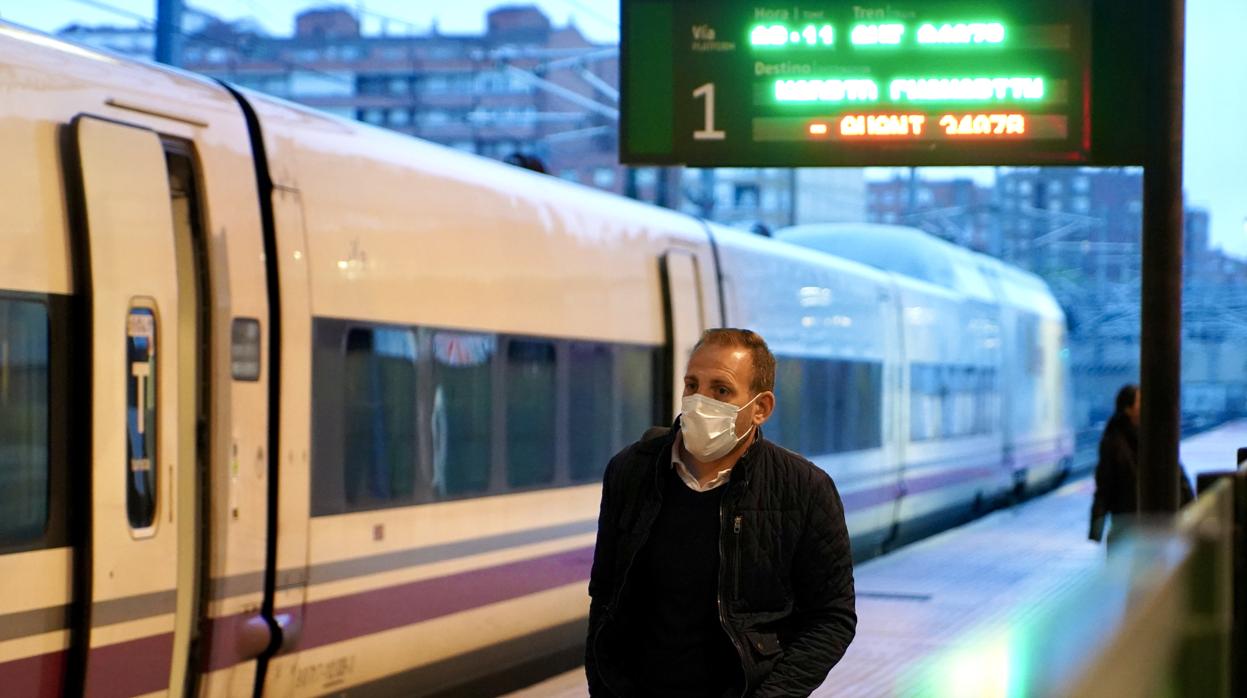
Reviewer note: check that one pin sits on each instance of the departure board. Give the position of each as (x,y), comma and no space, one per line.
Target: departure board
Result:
(836,82)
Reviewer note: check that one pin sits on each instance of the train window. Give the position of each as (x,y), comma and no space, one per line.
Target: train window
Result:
(530,412)
(141,425)
(636,369)
(379,410)
(592,430)
(951,401)
(462,412)
(24,410)
(784,426)
(405,416)
(859,399)
(817,418)
(827,406)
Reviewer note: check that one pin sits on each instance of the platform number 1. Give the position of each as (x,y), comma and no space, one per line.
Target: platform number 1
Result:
(709,133)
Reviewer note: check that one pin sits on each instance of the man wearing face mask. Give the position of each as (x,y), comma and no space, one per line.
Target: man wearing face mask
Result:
(722,565)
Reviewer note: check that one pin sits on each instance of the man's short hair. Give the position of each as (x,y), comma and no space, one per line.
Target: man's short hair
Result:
(1125,396)
(763,360)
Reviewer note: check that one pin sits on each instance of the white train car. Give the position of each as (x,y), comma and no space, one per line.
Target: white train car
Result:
(834,327)
(984,372)
(290,405)
(465,345)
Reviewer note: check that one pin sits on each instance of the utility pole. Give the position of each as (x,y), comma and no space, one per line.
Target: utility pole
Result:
(169,32)
(1160,355)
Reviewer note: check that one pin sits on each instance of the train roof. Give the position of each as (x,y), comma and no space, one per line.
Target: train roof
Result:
(906,251)
(916,254)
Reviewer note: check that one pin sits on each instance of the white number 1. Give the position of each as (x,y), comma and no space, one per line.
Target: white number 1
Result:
(709,133)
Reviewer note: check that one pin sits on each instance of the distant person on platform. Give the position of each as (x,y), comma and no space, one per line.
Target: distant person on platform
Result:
(1116,474)
(722,565)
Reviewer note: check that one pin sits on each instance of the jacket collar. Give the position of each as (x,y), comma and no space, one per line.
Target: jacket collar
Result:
(740,472)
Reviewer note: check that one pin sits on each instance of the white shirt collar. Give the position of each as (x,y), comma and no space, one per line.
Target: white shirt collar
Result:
(689,479)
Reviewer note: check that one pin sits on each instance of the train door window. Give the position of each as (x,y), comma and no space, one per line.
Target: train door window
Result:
(530,412)
(141,424)
(379,457)
(592,437)
(636,371)
(462,412)
(24,411)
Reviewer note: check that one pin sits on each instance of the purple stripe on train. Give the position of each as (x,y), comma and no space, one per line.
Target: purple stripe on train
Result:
(42,676)
(343,618)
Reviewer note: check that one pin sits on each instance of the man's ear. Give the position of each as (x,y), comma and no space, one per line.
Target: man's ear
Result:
(766,405)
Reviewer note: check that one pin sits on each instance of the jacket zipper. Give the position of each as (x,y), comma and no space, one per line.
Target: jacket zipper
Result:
(740,652)
(736,548)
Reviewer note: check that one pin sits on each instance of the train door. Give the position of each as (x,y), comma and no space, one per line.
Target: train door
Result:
(685,314)
(137,565)
(896,377)
(292,500)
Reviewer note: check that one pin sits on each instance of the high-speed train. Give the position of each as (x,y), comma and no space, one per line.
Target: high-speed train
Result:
(292,406)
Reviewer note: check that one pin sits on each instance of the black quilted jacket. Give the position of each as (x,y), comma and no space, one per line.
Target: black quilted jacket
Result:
(785,569)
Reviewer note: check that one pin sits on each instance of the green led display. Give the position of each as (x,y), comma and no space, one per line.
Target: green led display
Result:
(843,82)
(903,90)
(764,35)
(962,33)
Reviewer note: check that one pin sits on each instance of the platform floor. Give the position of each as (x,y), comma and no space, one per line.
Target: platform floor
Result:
(917,606)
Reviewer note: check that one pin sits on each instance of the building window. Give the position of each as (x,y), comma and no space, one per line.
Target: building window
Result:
(604,177)
(770,200)
(435,84)
(746,196)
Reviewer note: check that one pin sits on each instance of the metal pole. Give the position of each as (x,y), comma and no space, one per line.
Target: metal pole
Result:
(1160,358)
(169,31)
(1238,640)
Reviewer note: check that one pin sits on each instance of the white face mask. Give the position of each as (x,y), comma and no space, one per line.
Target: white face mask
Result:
(708,426)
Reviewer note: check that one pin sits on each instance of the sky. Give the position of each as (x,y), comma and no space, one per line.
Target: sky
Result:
(1215,169)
